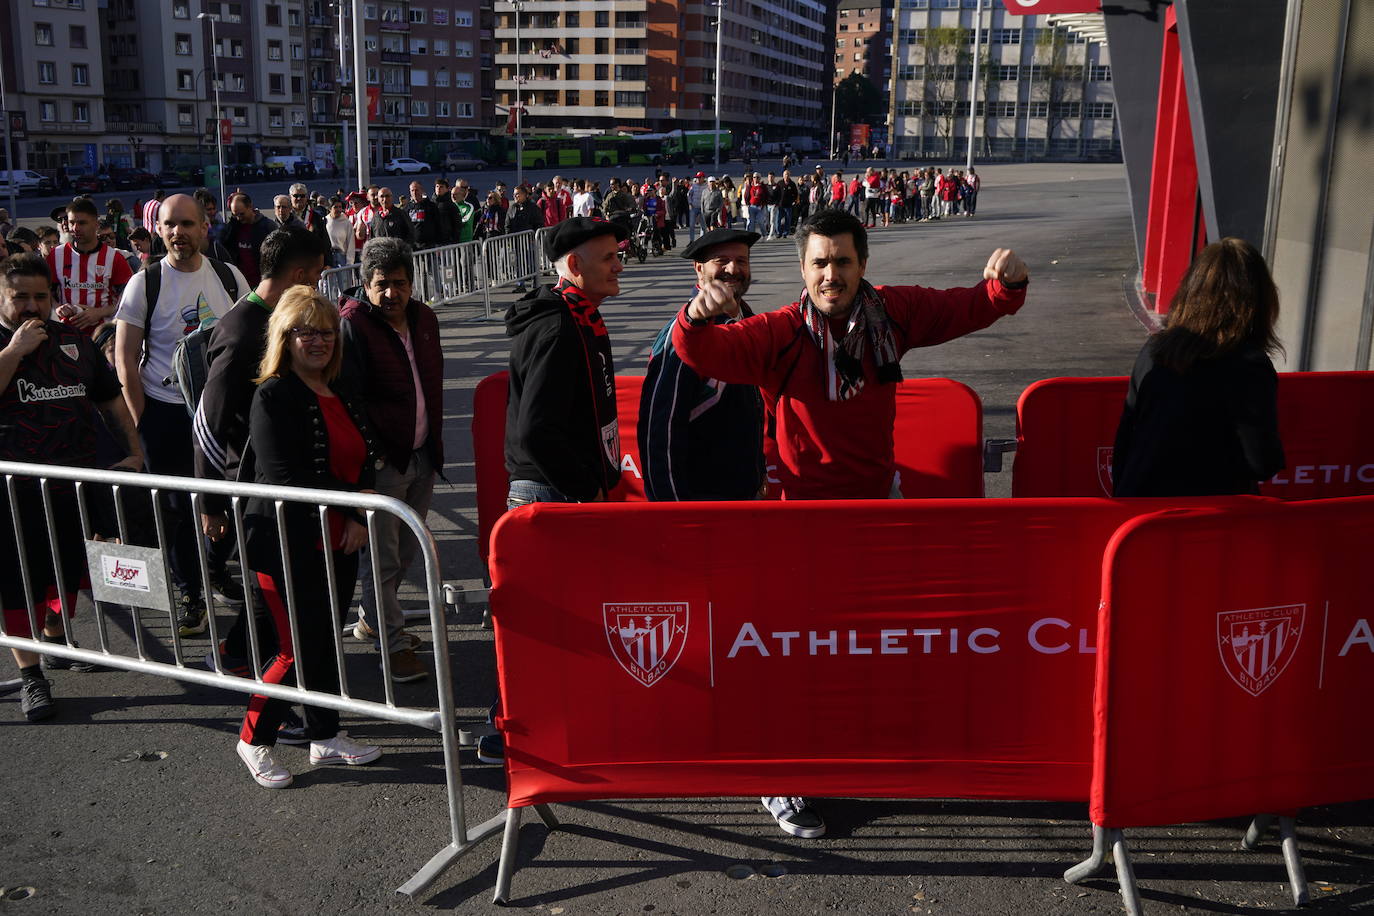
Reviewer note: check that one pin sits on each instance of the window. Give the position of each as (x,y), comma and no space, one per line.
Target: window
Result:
(273,14)
(239,116)
(183,45)
(464,109)
(47,72)
(47,111)
(603,19)
(185,117)
(417,15)
(81,112)
(297,52)
(462,49)
(911,72)
(1067,109)
(839,43)
(440,48)
(81,75)
(76,36)
(438,16)
(233,12)
(297,86)
(419,46)
(185,81)
(391,14)
(298,117)
(602,46)
(572,20)
(630,99)
(602,98)
(370,11)
(997,109)
(572,97)
(369,43)
(276,84)
(603,71)
(181,9)
(1005,36)
(293,18)
(42,34)
(1033,72)
(1100,73)
(419,77)
(441,109)
(236,47)
(1005,73)
(463,80)
(441,77)
(1101,110)
(275,119)
(418,107)
(630,72)
(462,19)
(373,77)
(274,50)
(236,83)
(1037,109)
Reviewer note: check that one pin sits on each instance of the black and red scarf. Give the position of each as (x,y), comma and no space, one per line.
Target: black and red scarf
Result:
(583,311)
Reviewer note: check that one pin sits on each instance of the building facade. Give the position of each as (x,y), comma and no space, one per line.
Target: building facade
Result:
(1044,89)
(609,64)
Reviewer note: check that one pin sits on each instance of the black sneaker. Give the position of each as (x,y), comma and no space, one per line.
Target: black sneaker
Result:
(491,748)
(795,816)
(35,699)
(53,663)
(226,587)
(191,615)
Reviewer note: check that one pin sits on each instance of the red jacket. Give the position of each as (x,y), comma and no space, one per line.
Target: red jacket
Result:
(834,449)
(758,195)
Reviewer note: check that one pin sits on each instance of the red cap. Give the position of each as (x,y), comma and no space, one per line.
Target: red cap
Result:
(701,174)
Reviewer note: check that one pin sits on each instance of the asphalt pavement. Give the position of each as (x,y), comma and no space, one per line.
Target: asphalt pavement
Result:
(133,801)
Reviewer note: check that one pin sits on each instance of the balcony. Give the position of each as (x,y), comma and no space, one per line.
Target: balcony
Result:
(395,57)
(321,54)
(134,127)
(390,118)
(319,21)
(392,25)
(321,85)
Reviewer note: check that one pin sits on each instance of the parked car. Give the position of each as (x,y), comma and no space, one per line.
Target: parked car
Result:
(90,183)
(405,166)
(458,162)
(127,179)
(169,178)
(298,166)
(27,180)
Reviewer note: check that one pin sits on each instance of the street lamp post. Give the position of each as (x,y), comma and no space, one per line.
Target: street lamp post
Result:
(9,149)
(720,31)
(519,104)
(212,18)
(343,119)
(973,84)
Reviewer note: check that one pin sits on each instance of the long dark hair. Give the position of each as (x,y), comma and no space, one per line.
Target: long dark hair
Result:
(1226,300)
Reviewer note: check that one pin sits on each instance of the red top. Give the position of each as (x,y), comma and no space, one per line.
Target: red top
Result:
(347,452)
(834,449)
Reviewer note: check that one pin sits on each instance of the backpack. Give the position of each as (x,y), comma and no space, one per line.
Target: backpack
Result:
(190,357)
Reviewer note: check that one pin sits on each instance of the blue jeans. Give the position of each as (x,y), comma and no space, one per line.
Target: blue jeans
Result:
(524,492)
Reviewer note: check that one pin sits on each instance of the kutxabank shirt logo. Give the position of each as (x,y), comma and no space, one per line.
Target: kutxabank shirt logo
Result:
(1256,645)
(646,638)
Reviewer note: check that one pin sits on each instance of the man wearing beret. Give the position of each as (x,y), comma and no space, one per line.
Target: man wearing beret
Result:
(700,438)
(829,362)
(562,433)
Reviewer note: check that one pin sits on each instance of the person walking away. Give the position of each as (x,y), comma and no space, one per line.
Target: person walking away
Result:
(306,432)
(1201,412)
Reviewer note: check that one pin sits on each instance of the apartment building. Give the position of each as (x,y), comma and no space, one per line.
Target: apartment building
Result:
(608,64)
(53,75)
(1045,84)
(863,41)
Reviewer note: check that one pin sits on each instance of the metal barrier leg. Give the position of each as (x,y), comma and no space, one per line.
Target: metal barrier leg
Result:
(1292,860)
(509,844)
(1125,874)
(1093,866)
(547,816)
(1254,834)
(10,686)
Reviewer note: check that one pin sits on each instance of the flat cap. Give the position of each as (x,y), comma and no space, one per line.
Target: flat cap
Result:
(570,233)
(699,250)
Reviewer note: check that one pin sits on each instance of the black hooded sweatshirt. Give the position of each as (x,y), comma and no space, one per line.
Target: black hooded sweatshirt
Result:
(561,423)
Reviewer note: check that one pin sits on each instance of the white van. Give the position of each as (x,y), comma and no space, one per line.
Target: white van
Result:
(26,180)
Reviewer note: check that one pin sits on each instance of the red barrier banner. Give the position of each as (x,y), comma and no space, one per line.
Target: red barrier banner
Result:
(1041,7)
(922,648)
(1065,429)
(1236,663)
(938,437)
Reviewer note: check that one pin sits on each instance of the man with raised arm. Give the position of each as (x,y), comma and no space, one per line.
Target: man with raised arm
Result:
(830,361)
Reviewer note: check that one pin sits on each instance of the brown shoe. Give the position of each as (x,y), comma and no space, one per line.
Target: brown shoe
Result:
(405,667)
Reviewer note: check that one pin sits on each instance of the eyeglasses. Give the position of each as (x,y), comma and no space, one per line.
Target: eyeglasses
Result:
(297,195)
(309,334)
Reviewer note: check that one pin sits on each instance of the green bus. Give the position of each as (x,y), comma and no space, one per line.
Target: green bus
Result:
(688,146)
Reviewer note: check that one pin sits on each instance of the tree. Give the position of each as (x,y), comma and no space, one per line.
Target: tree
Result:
(857,101)
(1059,84)
(947,57)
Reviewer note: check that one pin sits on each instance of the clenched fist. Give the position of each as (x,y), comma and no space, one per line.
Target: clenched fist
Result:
(1005,267)
(28,338)
(716,298)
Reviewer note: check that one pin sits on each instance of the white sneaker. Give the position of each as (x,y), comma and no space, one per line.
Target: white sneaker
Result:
(266,772)
(342,749)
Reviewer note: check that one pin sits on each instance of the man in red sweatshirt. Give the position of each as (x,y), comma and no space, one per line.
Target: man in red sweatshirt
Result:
(829,363)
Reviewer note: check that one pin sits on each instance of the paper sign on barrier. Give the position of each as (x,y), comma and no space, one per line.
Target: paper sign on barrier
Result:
(126,574)
(1237,663)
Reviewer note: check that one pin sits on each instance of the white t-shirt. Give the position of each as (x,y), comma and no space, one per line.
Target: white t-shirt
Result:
(185,300)
(582,203)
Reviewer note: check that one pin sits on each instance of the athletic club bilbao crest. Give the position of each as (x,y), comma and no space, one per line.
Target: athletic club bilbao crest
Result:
(1257,645)
(70,351)
(1104,468)
(646,639)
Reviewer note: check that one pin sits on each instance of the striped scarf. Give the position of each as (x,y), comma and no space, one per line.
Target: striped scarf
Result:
(868,326)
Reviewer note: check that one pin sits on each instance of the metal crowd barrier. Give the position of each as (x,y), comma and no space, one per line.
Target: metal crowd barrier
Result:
(510,258)
(126,576)
(451,273)
(333,282)
(545,265)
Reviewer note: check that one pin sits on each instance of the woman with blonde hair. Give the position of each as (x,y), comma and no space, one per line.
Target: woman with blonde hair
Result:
(304,432)
(1201,414)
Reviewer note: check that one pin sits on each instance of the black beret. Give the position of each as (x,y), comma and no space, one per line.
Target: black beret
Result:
(696,251)
(570,233)
(58,214)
